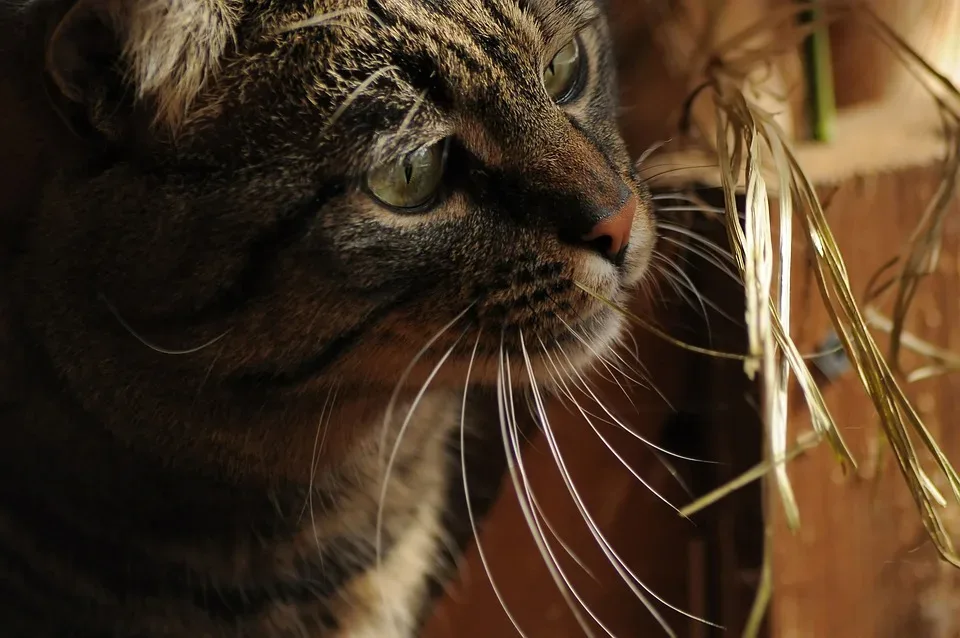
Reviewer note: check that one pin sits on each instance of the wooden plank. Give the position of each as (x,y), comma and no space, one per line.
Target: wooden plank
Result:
(861,564)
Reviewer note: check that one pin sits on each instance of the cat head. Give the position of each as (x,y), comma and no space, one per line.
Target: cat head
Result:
(264,198)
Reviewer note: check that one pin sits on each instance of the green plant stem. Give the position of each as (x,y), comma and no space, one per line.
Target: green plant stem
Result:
(818,66)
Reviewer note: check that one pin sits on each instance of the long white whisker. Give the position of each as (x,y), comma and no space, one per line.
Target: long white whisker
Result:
(681,282)
(556,535)
(692,239)
(329,18)
(318,438)
(688,209)
(528,489)
(603,361)
(626,574)
(396,449)
(707,243)
(571,405)
(466,494)
(508,427)
(583,385)
(653,148)
(318,441)
(704,301)
(647,382)
(391,405)
(357,92)
(136,335)
(661,265)
(635,349)
(405,124)
(638,368)
(566,391)
(612,557)
(707,257)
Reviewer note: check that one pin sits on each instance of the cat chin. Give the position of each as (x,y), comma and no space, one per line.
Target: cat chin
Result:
(539,362)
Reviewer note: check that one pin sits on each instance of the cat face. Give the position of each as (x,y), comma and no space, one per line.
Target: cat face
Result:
(282,194)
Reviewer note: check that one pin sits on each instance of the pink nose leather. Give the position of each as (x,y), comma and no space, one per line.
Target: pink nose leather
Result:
(616,228)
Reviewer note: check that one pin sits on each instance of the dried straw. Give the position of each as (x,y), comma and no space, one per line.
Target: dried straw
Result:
(731,119)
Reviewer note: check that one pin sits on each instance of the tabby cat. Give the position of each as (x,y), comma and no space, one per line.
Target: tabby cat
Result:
(239,237)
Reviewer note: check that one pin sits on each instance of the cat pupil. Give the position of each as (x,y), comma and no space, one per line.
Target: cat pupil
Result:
(562,74)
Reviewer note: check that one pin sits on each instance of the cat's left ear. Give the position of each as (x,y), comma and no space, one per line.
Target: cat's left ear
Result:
(159,52)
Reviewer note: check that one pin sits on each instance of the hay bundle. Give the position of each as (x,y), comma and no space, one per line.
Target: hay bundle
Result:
(765,122)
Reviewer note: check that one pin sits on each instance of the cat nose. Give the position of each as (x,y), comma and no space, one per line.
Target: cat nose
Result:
(611,235)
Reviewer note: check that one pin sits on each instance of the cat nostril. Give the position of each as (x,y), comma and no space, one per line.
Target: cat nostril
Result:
(611,236)
(602,244)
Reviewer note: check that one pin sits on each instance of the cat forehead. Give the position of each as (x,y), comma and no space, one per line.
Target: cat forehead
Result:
(409,46)
(388,74)
(550,15)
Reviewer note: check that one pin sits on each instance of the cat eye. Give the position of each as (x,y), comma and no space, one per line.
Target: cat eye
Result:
(562,76)
(411,182)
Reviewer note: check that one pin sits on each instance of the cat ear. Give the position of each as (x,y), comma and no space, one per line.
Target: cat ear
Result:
(160,52)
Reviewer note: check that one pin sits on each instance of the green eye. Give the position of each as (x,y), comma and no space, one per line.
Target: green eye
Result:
(562,75)
(411,182)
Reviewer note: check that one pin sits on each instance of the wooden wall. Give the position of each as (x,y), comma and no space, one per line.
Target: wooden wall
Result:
(861,564)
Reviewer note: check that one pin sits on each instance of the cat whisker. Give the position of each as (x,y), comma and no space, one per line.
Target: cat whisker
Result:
(594,530)
(167,351)
(553,531)
(581,384)
(635,350)
(404,125)
(570,405)
(686,203)
(676,169)
(357,92)
(653,148)
(661,266)
(402,381)
(573,407)
(706,243)
(466,492)
(703,301)
(671,269)
(704,255)
(652,290)
(689,209)
(329,18)
(638,366)
(509,432)
(636,585)
(397,442)
(611,367)
(566,392)
(538,411)
(207,375)
(323,427)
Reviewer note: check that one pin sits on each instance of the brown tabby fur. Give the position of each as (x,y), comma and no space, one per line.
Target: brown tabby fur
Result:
(203,316)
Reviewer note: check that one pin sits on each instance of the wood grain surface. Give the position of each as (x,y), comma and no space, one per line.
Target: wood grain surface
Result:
(861,564)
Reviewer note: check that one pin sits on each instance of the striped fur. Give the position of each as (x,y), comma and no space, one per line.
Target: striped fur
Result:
(204,318)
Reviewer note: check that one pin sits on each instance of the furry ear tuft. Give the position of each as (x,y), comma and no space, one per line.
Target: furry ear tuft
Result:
(165,49)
